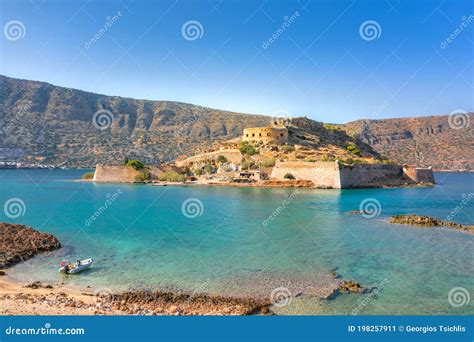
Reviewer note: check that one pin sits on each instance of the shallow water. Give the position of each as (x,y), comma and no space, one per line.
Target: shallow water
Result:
(141,239)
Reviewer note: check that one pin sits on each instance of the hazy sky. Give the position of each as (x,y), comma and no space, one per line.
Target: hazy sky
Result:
(333,61)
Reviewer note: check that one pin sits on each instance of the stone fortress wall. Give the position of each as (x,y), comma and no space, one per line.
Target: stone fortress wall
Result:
(338,176)
(277,135)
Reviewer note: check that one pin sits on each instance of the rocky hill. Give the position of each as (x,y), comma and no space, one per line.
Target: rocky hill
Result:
(443,142)
(45,124)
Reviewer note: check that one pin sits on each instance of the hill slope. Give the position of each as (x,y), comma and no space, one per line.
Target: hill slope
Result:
(43,123)
(423,141)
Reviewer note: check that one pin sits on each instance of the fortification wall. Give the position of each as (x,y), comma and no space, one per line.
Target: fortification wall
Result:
(419,174)
(266,134)
(322,174)
(233,155)
(367,175)
(118,174)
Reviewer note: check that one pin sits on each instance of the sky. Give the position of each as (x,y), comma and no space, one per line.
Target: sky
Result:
(332,61)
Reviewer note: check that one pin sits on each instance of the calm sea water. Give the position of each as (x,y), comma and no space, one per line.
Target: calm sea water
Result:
(140,238)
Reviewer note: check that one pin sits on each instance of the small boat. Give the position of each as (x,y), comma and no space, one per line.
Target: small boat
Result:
(75,267)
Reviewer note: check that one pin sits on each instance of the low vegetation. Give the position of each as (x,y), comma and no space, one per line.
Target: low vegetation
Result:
(172,176)
(143,177)
(247,148)
(222,159)
(88,175)
(352,148)
(331,128)
(269,162)
(136,164)
(287,148)
(288,176)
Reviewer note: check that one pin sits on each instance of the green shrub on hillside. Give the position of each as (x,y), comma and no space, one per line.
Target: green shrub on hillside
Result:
(247,148)
(222,159)
(198,172)
(143,177)
(247,165)
(136,164)
(329,158)
(269,162)
(208,168)
(172,176)
(352,148)
(287,148)
(288,176)
(331,128)
(88,175)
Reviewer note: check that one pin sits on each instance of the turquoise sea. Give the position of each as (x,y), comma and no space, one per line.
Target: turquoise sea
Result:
(250,241)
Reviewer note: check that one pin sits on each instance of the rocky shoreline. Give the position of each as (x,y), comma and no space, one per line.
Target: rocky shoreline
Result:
(19,243)
(427,221)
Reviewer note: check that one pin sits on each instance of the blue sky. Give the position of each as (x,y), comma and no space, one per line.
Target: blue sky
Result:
(321,64)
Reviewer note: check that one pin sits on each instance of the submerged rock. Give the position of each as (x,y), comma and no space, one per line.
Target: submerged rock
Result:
(426,221)
(19,243)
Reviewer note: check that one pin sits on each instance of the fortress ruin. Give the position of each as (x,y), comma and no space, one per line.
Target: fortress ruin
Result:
(276,134)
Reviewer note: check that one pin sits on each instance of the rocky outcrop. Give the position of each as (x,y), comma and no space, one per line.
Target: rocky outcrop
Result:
(426,221)
(19,243)
(172,303)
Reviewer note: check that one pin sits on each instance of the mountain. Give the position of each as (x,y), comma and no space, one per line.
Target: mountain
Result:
(47,124)
(42,123)
(444,142)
